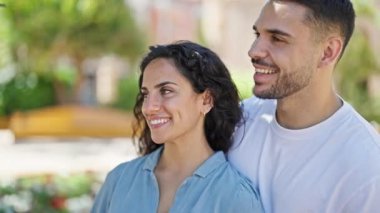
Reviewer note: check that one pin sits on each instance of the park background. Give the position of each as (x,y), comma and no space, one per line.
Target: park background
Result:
(68,81)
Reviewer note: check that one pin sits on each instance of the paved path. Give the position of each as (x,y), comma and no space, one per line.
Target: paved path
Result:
(63,156)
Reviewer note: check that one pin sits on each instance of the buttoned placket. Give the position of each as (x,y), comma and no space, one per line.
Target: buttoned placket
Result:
(180,195)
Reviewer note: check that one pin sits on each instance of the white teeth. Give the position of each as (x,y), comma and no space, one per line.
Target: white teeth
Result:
(265,71)
(158,121)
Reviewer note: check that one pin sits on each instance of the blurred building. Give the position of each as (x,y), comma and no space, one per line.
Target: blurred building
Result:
(223,25)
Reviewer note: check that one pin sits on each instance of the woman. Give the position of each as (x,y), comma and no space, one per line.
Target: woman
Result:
(187,109)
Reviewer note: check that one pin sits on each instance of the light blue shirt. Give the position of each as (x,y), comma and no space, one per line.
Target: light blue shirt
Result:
(214,187)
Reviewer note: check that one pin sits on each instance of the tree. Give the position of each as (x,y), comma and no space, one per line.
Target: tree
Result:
(40,32)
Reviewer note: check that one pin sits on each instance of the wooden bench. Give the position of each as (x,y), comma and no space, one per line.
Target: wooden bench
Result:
(72,121)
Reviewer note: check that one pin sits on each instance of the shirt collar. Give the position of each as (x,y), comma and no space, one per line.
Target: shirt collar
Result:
(152,159)
(212,163)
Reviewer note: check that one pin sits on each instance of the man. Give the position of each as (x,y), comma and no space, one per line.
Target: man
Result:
(307,150)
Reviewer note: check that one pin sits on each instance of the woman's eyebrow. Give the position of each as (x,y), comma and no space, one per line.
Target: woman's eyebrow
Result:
(160,85)
(165,83)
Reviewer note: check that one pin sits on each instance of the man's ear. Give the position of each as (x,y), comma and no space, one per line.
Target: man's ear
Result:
(333,47)
(208,101)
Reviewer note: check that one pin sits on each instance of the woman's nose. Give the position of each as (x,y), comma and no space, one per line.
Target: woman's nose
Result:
(151,104)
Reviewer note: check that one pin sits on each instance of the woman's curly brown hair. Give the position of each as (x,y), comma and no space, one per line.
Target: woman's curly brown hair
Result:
(204,70)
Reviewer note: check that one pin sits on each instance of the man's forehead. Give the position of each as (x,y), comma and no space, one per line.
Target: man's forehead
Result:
(281,14)
(285,10)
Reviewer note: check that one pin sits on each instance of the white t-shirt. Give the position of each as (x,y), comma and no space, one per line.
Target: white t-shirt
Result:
(333,166)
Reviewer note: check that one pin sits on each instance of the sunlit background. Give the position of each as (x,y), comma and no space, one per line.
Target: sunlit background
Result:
(68,81)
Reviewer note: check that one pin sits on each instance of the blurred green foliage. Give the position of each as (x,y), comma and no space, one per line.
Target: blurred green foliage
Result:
(27,91)
(66,75)
(353,72)
(359,63)
(127,93)
(2,103)
(78,28)
(244,82)
(37,34)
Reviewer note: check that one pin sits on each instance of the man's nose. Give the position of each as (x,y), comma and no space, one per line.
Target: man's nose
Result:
(258,49)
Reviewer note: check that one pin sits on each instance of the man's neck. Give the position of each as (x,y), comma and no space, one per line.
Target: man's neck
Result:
(302,111)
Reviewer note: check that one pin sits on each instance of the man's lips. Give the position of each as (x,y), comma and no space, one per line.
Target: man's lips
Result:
(263,74)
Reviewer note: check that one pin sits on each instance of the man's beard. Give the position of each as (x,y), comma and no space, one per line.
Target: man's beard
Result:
(287,85)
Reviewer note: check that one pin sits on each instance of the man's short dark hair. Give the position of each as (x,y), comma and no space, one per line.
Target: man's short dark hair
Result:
(330,15)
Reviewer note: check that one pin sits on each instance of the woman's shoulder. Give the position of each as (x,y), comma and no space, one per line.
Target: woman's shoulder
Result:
(131,166)
(242,182)
(113,187)
(242,193)
(223,173)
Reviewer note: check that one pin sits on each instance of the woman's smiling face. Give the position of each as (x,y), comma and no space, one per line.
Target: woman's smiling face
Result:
(172,109)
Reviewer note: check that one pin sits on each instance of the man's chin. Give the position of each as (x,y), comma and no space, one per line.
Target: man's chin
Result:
(263,95)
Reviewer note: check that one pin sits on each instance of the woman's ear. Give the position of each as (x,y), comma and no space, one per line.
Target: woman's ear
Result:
(208,102)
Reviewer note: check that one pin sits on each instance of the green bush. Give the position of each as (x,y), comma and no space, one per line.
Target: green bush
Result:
(26,91)
(2,104)
(127,92)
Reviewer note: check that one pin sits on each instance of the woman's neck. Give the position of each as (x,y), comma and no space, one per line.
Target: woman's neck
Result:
(178,161)
(184,157)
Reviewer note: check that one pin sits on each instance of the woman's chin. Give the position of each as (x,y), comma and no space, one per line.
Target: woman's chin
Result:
(158,141)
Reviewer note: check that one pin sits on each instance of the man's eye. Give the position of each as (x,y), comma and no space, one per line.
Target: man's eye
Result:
(276,39)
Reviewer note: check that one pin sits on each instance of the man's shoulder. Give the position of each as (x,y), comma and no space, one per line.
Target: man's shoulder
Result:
(254,105)
(255,101)
(358,143)
(358,127)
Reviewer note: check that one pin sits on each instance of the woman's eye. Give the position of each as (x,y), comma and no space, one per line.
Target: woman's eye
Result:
(144,95)
(165,91)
